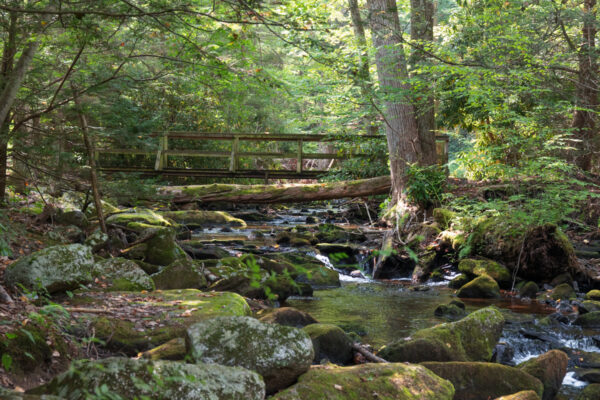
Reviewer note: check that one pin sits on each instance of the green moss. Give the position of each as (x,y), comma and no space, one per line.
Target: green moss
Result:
(593,295)
(443,217)
(330,342)
(590,392)
(550,368)
(482,287)
(591,305)
(563,292)
(196,218)
(483,266)
(589,320)
(174,349)
(142,215)
(459,281)
(529,289)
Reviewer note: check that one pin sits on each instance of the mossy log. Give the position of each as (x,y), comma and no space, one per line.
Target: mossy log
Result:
(278,193)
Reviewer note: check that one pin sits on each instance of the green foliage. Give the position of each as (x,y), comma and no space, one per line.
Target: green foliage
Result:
(5,249)
(425,185)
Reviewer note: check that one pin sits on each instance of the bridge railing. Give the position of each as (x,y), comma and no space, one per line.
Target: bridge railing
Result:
(163,152)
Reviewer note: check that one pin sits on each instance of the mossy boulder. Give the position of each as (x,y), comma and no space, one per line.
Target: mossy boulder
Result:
(529,290)
(593,295)
(72,217)
(279,353)
(140,378)
(473,338)
(591,375)
(393,381)
(589,320)
(162,249)
(330,342)
(202,219)
(307,269)
(65,234)
(329,233)
(181,274)
(174,349)
(590,306)
(550,368)
(482,287)
(175,309)
(53,269)
(545,251)
(450,311)
(459,281)
(590,392)
(145,217)
(481,380)
(96,240)
(288,316)
(122,275)
(522,395)
(564,291)
(482,266)
(443,217)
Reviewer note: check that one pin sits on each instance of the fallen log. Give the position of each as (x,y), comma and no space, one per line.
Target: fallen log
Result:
(368,355)
(278,193)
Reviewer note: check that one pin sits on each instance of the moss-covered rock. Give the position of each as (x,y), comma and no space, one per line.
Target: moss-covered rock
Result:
(593,295)
(459,281)
(589,320)
(443,217)
(174,349)
(473,338)
(175,309)
(590,392)
(288,316)
(563,291)
(144,216)
(162,249)
(279,353)
(550,368)
(589,306)
(307,269)
(449,311)
(72,217)
(53,269)
(522,395)
(65,234)
(329,233)
(482,266)
(591,375)
(394,381)
(529,290)
(122,275)
(482,287)
(202,219)
(480,380)
(96,240)
(141,378)
(181,274)
(330,342)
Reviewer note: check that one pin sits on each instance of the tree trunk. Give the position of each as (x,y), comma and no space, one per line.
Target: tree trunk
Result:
(6,68)
(363,76)
(276,193)
(421,32)
(89,147)
(401,126)
(584,121)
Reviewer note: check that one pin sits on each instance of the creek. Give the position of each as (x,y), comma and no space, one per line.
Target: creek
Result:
(382,311)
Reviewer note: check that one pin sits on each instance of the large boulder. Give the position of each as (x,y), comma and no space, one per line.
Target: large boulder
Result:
(564,291)
(289,316)
(181,274)
(590,392)
(479,380)
(473,338)
(589,320)
(482,266)
(550,368)
(394,381)
(330,342)
(279,353)
(593,295)
(140,378)
(53,269)
(482,287)
(122,274)
(169,313)
(139,218)
(203,219)
(522,395)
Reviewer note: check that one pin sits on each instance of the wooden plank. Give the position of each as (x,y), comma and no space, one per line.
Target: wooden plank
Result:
(124,151)
(299,157)
(198,153)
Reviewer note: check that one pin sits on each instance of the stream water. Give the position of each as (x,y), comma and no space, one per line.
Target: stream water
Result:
(383,311)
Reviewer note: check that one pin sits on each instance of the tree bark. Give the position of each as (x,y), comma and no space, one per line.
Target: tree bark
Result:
(91,160)
(421,32)
(401,126)
(258,194)
(6,68)
(584,120)
(363,76)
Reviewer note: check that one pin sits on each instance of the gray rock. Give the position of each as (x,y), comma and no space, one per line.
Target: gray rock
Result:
(182,274)
(279,353)
(123,274)
(330,342)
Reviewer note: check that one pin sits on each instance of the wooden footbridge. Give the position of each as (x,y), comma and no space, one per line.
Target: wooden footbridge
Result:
(183,154)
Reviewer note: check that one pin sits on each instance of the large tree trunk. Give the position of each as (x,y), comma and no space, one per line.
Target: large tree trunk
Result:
(584,120)
(276,193)
(401,126)
(421,32)
(363,77)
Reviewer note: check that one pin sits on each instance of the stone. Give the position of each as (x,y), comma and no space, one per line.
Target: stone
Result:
(143,216)
(562,278)
(593,295)
(392,381)
(73,217)
(96,240)
(523,395)
(279,353)
(564,291)
(443,217)
(472,338)
(589,306)
(529,290)
(481,380)
(330,343)
(122,274)
(203,219)
(589,320)
(588,375)
(181,274)
(450,311)
(483,266)
(162,249)
(174,349)
(590,392)
(65,234)
(550,368)
(289,316)
(53,269)
(459,281)
(141,378)
(482,287)
(7,394)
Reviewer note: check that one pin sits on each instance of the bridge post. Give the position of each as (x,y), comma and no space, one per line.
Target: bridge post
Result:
(233,165)
(161,157)
(299,158)
(165,147)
